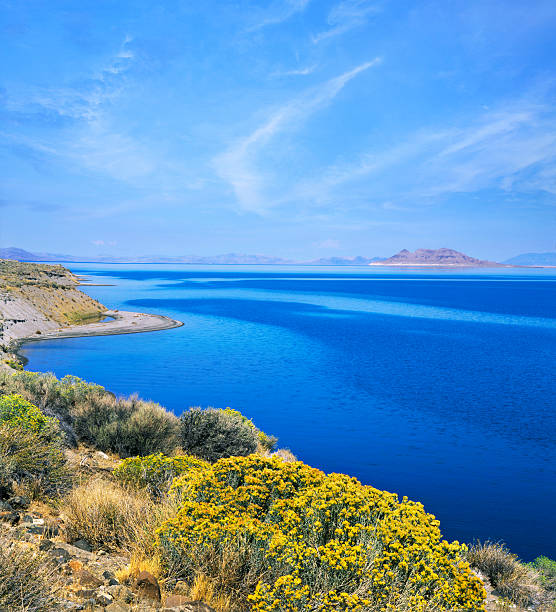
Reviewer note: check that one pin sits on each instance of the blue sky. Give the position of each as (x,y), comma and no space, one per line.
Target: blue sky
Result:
(296,128)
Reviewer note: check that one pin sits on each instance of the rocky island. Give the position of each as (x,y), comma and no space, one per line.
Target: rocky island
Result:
(436,257)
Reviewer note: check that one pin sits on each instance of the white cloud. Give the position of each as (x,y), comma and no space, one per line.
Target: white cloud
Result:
(238,165)
(511,149)
(296,71)
(278,12)
(345,16)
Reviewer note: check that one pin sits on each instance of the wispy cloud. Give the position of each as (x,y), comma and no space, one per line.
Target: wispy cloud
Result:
(510,149)
(90,139)
(345,16)
(278,12)
(296,71)
(238,165)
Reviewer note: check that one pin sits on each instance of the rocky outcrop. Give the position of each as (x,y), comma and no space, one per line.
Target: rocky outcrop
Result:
(435,257)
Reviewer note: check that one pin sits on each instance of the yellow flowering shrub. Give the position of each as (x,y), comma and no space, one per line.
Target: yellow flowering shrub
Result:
(156,472)
(286,537)
(15,411)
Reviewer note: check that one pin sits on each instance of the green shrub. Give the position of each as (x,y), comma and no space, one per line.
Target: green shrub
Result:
(54,397)
(156,472)
(214,434)
(127,427)
(27,459)
(15,411)
(14,364)
(27,582)
(89,413)
(266,442)
(31,450)
(546,569)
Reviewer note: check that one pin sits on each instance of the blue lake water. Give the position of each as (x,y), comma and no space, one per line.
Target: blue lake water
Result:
(438,385)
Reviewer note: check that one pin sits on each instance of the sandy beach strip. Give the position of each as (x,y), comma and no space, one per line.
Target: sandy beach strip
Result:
(122,322)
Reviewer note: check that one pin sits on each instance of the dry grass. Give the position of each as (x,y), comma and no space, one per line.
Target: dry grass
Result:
(27,582)
(138,563)
(105,514)
(203,589)
(512,579)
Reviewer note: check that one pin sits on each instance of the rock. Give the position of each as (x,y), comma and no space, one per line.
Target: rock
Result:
(5,507)
(83,545)
(117,607)
(86,593)
(120,593)
(10,517)
(69,605)
(60,555)
(173,601)
(148,586)
(19,502)
(101,455)
(183,604)
(103,598)
(85,578)
(46,545)
(77,552)
(34,529)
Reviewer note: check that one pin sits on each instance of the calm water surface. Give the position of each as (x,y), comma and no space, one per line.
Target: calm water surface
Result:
(438,385)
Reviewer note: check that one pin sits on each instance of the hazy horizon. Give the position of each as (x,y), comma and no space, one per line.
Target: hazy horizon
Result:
(289,128)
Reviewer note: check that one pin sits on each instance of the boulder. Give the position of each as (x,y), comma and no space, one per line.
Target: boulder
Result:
(60,555)
(120,593)
(103,598)
(10,517)
(83,545)
(174,603)
(46,545)
(117,607)
(19,502)
(147,586)
(85,578)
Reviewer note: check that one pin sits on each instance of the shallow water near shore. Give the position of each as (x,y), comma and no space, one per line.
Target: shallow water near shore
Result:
(435,384)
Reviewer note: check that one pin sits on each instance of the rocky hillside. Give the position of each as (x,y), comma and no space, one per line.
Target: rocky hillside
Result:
(35,298)
(435,257)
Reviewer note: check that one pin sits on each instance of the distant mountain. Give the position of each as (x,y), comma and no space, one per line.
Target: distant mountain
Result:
(342,261)
(533,259)
(22,255)
(435,257)
(226,259)
(229,258)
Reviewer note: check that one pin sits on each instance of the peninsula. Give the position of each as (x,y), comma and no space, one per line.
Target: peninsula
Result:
(40,302)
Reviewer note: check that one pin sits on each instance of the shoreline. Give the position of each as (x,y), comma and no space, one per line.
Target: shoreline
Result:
(123,322)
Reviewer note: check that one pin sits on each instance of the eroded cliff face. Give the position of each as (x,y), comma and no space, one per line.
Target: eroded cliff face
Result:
(35,298)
